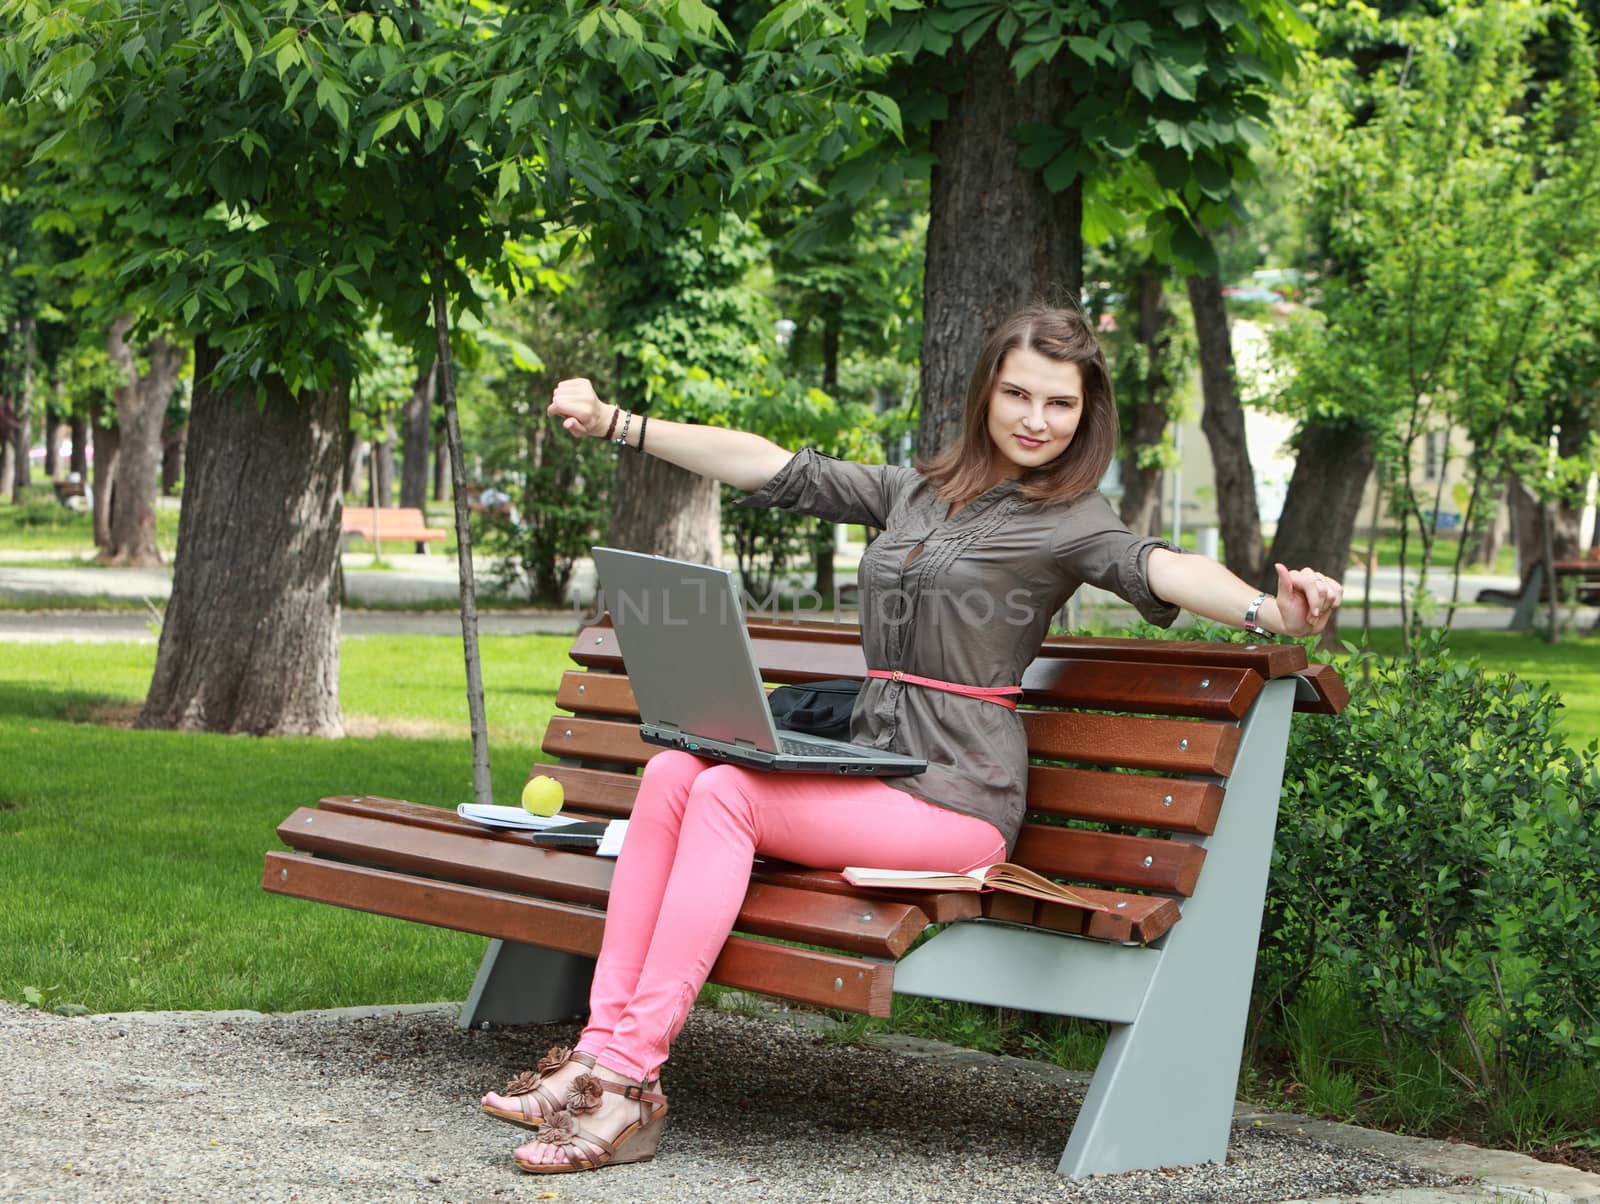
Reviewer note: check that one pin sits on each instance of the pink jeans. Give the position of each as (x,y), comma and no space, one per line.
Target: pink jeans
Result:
(696,828)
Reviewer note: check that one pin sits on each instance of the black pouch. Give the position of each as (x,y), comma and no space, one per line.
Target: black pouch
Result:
(821,708)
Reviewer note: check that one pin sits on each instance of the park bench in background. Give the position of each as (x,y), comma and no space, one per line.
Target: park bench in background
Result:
(1577,580)
(392,522)
(1155,784)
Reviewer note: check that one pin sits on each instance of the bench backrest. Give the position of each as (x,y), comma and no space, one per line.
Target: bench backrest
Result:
(1131,743)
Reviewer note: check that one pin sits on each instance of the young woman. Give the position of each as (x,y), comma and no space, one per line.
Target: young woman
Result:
(979,549)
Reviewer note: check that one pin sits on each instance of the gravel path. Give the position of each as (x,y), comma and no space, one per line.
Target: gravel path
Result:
(330,1106)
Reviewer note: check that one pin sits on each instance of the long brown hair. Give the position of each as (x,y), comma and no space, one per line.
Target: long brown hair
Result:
(965,471)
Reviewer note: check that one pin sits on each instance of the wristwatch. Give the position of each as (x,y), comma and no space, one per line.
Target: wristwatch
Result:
(1250,613)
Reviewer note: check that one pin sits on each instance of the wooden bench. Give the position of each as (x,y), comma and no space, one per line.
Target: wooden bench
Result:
(1576,580)
(401,523)
(1155,784)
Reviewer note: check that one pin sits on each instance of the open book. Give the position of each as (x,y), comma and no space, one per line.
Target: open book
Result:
(1005,876)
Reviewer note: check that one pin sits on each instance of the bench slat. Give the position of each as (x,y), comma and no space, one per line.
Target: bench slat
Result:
(1106,857)
(1131,800)
(879,929)
(800,652)
(1132,742)
(1206,693)
(1172,745)
(804,975)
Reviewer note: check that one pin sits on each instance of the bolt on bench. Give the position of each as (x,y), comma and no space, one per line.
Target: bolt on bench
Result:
(1156,773)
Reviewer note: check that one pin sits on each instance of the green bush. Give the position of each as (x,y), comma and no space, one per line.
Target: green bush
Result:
(1438,852)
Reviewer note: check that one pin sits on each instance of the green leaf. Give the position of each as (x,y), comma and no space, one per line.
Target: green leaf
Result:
(361,23)
(302,285)
(1144,79)
(288,55)
(1227,13)
(1173,83)
(1063,170)
(510,177)
(413,122)
(586,27)
(233,278)
(241,39)
(1087,49)
(435,112)
(386,123)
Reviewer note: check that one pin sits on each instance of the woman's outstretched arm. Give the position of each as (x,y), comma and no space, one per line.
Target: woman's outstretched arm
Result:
(736,458)
(1305,601)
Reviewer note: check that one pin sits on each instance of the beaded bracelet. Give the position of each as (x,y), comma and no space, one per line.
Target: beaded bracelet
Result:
(622,439)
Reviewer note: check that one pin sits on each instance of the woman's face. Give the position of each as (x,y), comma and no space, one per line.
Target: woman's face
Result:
(1034,409)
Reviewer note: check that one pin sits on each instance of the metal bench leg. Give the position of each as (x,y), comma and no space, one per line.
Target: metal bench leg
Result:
(520,984)
(1163,1092)
(1522,617)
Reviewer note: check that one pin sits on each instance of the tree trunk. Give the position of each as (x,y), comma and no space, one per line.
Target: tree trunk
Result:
(141,407)
(250,641)
(1321,506)
(382,471)
(8,464)
(79,462)
(665,510)
(52,443)
(416,421)
(441,471)
(1140,508)
(22,436)
(1238,513)
(998,239)
(1141,487)
(107,445)
(351,482)
(173,440)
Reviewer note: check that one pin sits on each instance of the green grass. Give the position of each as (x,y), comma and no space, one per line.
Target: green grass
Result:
(1572,667)
(130,862)
(42,524)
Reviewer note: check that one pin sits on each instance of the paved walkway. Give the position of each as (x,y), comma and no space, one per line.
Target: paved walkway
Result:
(378,1104)
(377,600)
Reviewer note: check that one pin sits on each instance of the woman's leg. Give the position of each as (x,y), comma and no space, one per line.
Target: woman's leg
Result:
(635,899)
(732,814)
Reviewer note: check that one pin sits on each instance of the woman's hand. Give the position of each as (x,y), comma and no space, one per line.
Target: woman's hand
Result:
(1306,600)
(580,409)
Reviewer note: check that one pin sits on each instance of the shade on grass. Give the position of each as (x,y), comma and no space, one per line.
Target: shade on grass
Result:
(130,862)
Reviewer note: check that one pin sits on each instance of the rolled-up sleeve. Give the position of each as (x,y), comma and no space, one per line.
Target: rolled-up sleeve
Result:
(840,491)
(1094,546)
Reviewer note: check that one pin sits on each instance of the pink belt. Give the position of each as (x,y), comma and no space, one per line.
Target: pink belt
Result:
(995,694)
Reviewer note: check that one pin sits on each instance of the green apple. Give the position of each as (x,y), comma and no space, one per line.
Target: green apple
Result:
(542,796)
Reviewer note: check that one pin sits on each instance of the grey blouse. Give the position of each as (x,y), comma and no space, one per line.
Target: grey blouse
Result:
(965,599)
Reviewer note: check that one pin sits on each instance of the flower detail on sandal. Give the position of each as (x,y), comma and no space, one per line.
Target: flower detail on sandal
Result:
(554,1059)
(523,1084)
(585,1093)
(560,1129)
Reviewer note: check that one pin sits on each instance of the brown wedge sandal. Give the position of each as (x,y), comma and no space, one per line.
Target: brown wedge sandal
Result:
(586,1152)
(536,1100)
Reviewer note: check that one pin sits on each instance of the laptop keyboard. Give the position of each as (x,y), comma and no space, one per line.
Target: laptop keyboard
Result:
(807,748)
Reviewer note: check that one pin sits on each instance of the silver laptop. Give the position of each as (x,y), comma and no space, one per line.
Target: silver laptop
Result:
(694,674)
